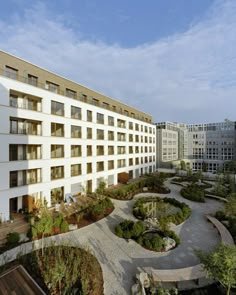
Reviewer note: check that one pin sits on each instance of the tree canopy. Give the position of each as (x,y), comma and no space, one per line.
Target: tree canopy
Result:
(220,264)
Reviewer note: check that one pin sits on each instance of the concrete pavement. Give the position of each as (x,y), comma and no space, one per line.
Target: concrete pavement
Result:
(120,259)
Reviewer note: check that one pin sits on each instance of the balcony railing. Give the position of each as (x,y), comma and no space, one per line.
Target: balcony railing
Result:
(77,96)
(26,105)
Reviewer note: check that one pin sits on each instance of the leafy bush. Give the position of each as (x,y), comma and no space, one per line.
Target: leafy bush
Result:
(171,234)
(141,212)
(193,192)
(129,229)
(101,207)
(232,227)
(154,242)
(13,238)
(220,215)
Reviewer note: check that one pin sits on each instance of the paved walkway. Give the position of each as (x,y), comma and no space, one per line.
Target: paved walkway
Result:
(120,259)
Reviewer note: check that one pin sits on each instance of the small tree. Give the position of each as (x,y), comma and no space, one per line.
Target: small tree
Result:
(230,206)
(182,165)
(220,264)
(43,226)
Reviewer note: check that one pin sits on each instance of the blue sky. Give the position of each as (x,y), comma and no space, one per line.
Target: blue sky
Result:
(173,59)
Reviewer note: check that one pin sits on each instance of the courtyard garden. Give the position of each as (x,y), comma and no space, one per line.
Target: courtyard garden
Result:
(152,231)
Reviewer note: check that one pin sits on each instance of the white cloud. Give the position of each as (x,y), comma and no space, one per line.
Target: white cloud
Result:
(179,78)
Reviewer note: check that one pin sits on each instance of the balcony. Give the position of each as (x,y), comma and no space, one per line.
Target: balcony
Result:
(25,101)
(21,152)
(25,126)
(25,177)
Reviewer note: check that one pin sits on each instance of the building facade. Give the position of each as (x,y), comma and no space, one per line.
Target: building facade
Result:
(211,146)
(208,147)
(59,137)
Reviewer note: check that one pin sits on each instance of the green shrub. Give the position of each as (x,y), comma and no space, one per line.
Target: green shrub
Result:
(138,229)
(13,238)
(232,226)
(193,192)
(171,234)
(220,215)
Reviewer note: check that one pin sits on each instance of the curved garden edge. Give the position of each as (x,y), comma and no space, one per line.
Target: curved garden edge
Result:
(190,273)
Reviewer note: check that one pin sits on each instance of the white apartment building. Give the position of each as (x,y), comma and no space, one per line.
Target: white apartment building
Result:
(59,137)
(205,147)
(167,144)
(212,145)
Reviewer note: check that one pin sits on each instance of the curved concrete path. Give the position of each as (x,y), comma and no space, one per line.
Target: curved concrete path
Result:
(120,259)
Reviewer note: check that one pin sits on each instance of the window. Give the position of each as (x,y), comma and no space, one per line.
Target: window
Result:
(57,151)
(52,87)
(89,133)
(131,163)
(57,129)
(70,93)
(100,118)
(136,161)
(120,136)
(57,195)
(76,131)
(136,149)
(126,113)
(95,102)
(121,150)
(13,179)
(136,138)
(76,151)
(110,164)
(131,137)
(83,97)
(32,80)
(89,167)
(111,121)
(75,170)
(131,150)
(89,150)
(14,101)
(100,150)
(110,135)
(120,123)
(13,152)
(131,125)
(136,127)
(76,113)
(121,163)
(57,172)
(57,108)
(89,116)
(110,150)
(100,134)
(105,105)
(11,73)
(100,166)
